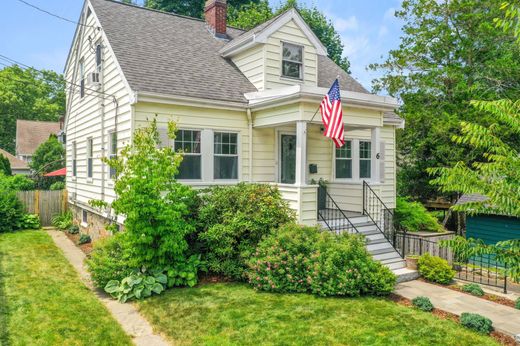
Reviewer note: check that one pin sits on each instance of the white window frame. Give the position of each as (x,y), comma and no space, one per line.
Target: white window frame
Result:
(81,78)
(74,159)
(84,218)
(355,162)
(112,152)
(300,79)
(90,157)
(351,159)
(370,160)
(99,65)
(202,154)
(214,155)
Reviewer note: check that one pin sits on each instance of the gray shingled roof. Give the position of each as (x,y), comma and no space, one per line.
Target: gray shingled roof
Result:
(176,55)
(471,197)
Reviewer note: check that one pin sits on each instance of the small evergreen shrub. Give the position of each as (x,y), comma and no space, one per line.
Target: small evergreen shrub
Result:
(304,259)
(84,239)
(29,221)
(476,322)
(11,211)
(74,229)
(422,303)
(59,185)
(413,217)
(435,269)
(233,219)
(473,289)
(517,304)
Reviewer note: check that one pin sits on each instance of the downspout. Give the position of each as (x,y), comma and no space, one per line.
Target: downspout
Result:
(250,125)
(103,137)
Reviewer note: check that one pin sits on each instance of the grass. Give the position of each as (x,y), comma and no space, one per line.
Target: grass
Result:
(234,314)
(42,300)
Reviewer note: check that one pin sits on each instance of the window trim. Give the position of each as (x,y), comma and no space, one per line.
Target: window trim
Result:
(82,78)
(74,159)
(90,157)
(370,160)
(351,159)
(302,74)
(356,169)
(201,154)
(111,153)
(237,155)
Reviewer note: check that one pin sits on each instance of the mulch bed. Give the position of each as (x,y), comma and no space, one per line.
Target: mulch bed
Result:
(86,248)
(445,315)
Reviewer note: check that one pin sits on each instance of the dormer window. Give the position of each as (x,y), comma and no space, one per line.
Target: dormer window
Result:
(292,61)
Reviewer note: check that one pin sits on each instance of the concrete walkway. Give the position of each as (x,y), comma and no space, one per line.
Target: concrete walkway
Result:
(126,314)
(505,319)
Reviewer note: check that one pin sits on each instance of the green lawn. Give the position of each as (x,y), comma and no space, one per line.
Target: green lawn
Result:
(42,300)
(234,314)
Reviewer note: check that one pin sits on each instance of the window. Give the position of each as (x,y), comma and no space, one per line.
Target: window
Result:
(89,157)
(365,159)
(84,216)
(74,162)
(188,142)
(344,161)
(99,56)
(292,61)
(81,78)
(226,155)
(112,151)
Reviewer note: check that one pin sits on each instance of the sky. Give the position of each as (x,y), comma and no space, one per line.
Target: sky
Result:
(368,31)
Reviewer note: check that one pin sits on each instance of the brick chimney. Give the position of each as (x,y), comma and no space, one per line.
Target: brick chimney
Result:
(215,12)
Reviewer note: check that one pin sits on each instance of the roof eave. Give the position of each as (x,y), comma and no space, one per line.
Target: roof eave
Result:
(143,96)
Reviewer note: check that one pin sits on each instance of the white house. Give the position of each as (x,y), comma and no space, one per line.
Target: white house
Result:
(243,102)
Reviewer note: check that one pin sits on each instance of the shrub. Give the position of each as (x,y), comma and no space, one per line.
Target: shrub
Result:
(413,217)
(74,229)
(62,221)
(11,211)
(473,289)
(137,285)
(59,185)
(184,272)
(84,239)
(476,322)
(29,221)
(422,303)
(304,259)
(234,219)
(435,269)
(5,165)
(16,182)
(517,304)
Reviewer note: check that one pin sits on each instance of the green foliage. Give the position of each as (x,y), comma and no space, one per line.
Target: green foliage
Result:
(476,322)
(413,217)
(48,157)
(511,19)
(74,229)
(62,221)
(29,221)
(304,259)
(136,286)
(183,273)
(191,8)
(473,289)
(234,219)
(517,304)
(422,303)
(463,249)
(5,165)
(16,183)
(11,211)
(435,269)
(158,209)
(59,185)
(84,239)
(30,95)
(450,53)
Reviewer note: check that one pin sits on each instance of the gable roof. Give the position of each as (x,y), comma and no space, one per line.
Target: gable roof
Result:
(30,134)
(15,162)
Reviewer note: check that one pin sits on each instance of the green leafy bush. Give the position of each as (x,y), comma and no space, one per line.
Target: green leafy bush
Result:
(62,221)
(234,219)
(16,183)
(183,272)
(29,221)
(84,239)
(476,322)
(304,259)
(435,269)
(422,303)
(59,185)
(517,304)
(473,289)
(11,211)
(74,229)
(413,217)
(136,286)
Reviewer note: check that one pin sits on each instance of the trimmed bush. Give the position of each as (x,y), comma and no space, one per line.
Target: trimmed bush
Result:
(29,221)
(304,259)
(413,217)
(11,211)
(84,239)
(233,220)
(473,289)
(422,303)
(476,322)
(435,269)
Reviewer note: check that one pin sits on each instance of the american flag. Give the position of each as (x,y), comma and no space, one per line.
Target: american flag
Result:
(332,115)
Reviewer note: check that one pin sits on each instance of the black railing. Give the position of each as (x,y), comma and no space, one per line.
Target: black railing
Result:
(380,215)
(331,214)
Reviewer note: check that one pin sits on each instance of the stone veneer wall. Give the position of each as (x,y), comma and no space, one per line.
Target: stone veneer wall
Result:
(96,223)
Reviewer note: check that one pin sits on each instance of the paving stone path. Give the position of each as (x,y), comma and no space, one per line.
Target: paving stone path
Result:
(126,314)
(505,319)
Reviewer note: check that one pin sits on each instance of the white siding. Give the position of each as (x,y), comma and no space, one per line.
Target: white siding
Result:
(251,64)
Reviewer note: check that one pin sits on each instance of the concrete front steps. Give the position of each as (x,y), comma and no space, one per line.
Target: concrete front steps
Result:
(379,247)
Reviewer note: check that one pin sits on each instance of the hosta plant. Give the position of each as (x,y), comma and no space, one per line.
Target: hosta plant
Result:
(136,286)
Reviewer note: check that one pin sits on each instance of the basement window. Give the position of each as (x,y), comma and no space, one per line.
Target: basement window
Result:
(292,61)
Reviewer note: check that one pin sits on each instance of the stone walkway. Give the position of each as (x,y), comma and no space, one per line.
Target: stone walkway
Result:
(505,319)
(126,314)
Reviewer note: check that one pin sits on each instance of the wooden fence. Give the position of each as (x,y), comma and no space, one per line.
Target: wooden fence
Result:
(44,203)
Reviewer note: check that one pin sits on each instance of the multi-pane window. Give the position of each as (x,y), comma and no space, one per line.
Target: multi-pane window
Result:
(89,157)
(365,159)
(225,164)
(188,141)
(84,216)
(344,161)
(74,162)
(292,61)
(99,56)
(81,78)
(113,151)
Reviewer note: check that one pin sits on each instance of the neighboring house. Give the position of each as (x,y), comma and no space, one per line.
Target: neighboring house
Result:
(17,166)
(30,134)
(491,228)
(243,103)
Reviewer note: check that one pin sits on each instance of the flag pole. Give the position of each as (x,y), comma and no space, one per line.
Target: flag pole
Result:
(337,77)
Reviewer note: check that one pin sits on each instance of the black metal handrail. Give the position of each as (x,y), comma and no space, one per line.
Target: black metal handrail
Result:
(332,215)
(378,213)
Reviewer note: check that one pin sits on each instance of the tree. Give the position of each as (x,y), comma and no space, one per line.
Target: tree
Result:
(28,94)
(48,157)
(450,53)
(5,165)
(190,8)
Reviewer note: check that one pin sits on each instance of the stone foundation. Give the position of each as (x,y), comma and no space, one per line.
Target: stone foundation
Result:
(95,225)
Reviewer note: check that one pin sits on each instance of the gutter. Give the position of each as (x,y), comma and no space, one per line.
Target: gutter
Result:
(187,101)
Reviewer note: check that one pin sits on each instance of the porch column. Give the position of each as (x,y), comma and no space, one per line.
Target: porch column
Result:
(301,153)
(376,156)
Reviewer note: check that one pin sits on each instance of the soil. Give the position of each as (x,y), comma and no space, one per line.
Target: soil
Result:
(86,248)
(445,315)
